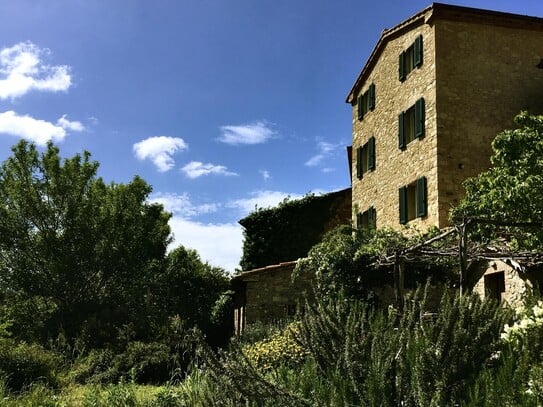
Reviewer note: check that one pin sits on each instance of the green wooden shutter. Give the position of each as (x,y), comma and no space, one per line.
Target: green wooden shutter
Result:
(359,162)
(358,220)
(371,153)
(417,58)
(372,218)
(371,97)
(401,132)
(419,118)
(421,197)
(360,107)
(401,67)
(403,205)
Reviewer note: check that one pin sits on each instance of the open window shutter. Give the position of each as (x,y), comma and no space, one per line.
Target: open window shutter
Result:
(419,118)
(403,205)
(401,67)
(418,51)
(360,107)
(371,153)
(359,162)
(421,197)
(372,218)
(371,97)
(358,220)
(401,133)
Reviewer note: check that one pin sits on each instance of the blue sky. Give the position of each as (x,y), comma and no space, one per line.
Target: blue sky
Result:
(221,105)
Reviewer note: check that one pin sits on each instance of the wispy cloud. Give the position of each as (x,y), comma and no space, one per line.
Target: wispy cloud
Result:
(254,133)
(22,70)
(260,199)
(159,150)
(196,169)
(325,151)
(70,125)
(265,174)
(181,205)
(36,130)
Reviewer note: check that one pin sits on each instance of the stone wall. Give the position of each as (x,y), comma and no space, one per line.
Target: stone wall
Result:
(394,167)
(487,73)
(516,284)
(269,293)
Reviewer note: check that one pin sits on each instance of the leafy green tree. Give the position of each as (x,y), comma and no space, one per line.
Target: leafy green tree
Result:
(512,189)
(191,288)
(77,254)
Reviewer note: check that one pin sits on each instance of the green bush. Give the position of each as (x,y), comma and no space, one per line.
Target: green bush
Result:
(23,364)
(140,362)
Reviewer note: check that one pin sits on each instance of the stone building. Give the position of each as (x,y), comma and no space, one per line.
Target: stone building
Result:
(432,95)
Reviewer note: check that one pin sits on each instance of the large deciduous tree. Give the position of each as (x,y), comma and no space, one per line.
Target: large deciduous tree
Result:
(512,189)
(76,254)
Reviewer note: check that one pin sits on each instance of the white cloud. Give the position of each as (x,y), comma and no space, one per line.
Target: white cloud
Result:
(255,133)
(196,169)
(219,244)
(36,130)
(265,174)
(180,204)
(159,150)
(325,150)
(260,199)
(69,125)
(22,70)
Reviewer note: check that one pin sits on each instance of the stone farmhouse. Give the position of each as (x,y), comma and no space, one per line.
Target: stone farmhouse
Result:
(433,94)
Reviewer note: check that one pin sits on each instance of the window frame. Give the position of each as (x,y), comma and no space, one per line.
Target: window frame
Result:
(410,59)
(411,124)
(413,200)
(365,158)
(367,220)
(366,102)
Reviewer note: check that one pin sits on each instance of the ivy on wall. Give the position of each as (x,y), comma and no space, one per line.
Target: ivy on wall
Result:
(287,231)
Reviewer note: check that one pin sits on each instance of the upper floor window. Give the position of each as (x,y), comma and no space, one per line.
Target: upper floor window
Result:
(366,102)
(411,124)
(365,158)
(411,58)
(366,220)
(413,201)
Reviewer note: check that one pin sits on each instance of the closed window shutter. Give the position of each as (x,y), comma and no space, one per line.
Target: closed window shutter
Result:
(401,67)
(371,153)
(371,97)
(403,205)
(372,218)
(419,118)
(401,133)
(360,107)
(418,51)
(359,162)
(421,197)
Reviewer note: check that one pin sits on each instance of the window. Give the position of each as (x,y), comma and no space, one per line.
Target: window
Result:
(495,285)
(413,201)
(366,220)
(411,58)
(366,102)
(365,158)
(411,124)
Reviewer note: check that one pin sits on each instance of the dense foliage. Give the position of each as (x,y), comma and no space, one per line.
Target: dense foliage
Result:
(354,262)
(288,231)
(86,282)
(512,190)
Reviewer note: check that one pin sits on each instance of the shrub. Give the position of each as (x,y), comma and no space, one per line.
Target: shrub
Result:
(23,364)
(281,348)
